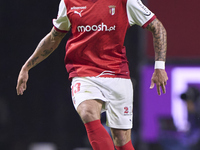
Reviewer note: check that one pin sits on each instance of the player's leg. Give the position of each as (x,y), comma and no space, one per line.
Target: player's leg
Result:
(119,113)
(89,112)
(122,139)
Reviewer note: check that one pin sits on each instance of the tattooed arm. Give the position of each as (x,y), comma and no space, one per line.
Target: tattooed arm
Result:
(46,46)
(159,76)
(159,39)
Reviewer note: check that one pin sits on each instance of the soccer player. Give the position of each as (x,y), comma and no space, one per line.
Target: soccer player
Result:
(97,64)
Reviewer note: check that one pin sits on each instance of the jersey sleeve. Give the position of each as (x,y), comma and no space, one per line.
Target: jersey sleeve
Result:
(138,13)
(62,22)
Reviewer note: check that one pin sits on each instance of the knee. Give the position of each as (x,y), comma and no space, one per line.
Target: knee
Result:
(87,113)
(121,137)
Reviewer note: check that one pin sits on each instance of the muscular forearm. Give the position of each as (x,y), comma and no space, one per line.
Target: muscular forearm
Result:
(46,46)
(41,52)
(159,39)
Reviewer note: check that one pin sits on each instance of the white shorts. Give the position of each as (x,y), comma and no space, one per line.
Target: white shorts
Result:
(117,93)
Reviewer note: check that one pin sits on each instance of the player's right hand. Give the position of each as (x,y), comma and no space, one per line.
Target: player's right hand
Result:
(159,78)
(21,82)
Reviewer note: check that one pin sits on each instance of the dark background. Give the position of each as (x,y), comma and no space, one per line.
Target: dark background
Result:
(45,112)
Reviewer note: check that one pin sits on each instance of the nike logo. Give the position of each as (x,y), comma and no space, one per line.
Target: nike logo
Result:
(79,13)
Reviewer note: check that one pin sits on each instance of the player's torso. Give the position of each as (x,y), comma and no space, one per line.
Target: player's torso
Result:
(98,30)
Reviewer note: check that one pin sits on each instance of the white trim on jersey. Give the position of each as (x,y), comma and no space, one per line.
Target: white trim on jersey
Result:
(62,22)
(137,12)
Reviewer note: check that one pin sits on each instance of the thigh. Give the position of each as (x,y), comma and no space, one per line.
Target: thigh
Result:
(83,89)
(121,136)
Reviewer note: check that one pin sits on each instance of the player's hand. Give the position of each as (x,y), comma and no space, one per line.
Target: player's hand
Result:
(159,78)
(21,82)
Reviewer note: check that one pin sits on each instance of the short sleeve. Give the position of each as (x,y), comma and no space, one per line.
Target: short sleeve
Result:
(62,22)
(138,13)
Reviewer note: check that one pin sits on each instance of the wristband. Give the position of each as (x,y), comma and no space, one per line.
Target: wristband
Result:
(159,65)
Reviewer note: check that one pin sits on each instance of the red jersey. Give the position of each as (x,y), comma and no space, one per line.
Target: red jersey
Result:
(98,29)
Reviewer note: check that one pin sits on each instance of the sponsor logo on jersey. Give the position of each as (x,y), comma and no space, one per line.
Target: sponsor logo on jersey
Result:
(78,9)
(100,27)
(112,9)
(81,7)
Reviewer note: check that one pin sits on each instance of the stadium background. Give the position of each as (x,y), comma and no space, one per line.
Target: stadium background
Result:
(45,114)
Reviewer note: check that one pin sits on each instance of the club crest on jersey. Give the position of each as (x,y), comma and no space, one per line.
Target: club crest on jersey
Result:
(112,9)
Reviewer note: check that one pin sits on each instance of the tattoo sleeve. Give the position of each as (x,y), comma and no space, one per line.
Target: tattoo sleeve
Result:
(46,46)
(32,62)
(55,34)
(159,39)
(46,52)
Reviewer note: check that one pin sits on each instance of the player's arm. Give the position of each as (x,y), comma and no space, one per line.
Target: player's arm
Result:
(159,76)
(46,46)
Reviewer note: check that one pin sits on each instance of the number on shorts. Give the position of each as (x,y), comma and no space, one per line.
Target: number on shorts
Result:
(126,110)
(75,88)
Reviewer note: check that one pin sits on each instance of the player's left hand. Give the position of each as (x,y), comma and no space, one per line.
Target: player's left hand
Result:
(159,78)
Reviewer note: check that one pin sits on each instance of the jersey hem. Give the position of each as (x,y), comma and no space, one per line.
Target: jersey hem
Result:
(123,77)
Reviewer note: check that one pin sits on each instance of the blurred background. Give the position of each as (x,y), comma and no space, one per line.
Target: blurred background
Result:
(44,117)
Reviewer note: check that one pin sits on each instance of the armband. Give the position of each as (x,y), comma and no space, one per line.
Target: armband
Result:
(159,65)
